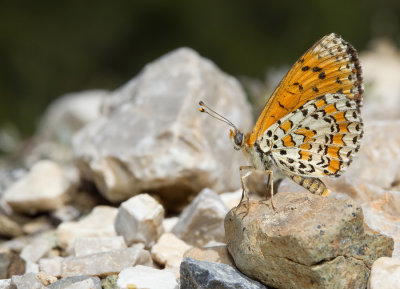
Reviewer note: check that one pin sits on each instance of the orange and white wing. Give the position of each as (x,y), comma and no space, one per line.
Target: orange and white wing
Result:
(330,66)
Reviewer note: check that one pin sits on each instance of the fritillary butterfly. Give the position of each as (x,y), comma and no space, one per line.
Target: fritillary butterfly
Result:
(311,126)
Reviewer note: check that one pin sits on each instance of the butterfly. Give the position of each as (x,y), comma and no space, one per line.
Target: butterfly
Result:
(311,125)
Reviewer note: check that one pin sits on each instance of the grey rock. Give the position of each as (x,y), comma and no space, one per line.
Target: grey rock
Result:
(27,281)
(309,241)
(37,249)
(110,282)
(92,245)
(151,137)
(203,275)
(67,282)
(203,220)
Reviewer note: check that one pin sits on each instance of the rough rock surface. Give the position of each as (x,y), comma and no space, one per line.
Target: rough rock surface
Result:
(385,274)
(203,220)
(146,277)
(308,242)
(44,188)
(27,281)
(139,220)
(200,274)
(129,148)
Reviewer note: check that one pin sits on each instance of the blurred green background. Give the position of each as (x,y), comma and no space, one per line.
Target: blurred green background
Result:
(48,48)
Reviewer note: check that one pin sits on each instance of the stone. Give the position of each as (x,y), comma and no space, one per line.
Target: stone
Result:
(216,254)
(9,228)
(380,66)
(142,277)
(231,199)
(5,284)
(37,249)
(91,245)
(110,282)
(76,282)
(202,220)
(169,250)
(37,225)
(11,264)
(105,263)
(309,241)
(45,188)
(201,274)
(139,220)
(100,222)
(51,266)
(45,278)
(156,109)
(27,281)
(385,274)
(169,223)
(66,213)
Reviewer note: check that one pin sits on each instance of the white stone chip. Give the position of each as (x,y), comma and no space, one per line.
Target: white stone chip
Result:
(139,220)
(100,222)
(385,274)
(146,278)
(84,284)
(51,266)
(90,245)
(44,188)
(37,249)
(105,263)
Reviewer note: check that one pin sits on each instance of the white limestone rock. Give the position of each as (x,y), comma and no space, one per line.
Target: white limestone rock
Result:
(169,250)
(142,277)
(100,222)
(151,137)
(5,283)
(44,188)
(385,274)
(203,220)
(139,220)
(105,263)
(51,266)
(27,281)
(91,245)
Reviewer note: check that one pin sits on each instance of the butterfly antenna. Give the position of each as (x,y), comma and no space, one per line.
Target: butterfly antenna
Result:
(214,114)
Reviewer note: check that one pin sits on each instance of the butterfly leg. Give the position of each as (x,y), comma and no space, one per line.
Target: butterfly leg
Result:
(314,185)
(270,187)
(245,171)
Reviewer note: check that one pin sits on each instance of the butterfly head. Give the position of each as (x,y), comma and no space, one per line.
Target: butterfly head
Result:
(237,137)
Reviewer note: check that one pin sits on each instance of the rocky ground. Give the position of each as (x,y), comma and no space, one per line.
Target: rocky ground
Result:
(136,189)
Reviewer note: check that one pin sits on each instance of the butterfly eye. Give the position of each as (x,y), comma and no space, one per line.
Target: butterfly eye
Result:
(239,139)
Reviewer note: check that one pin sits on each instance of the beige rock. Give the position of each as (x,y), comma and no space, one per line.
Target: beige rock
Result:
(11,264)
(308,242)
(45,278)
(139,220)
(105,263)
(169,223)
(202,220)
(169,250)
(92,245)
(9,228)
(37,225)
(231,199)
(385,274)
(51,266)
(44,188)
(218,254)
(100,222)
(159,108)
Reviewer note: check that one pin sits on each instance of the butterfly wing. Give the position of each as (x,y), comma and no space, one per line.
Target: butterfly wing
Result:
(330,66)
(318,139)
